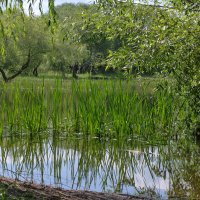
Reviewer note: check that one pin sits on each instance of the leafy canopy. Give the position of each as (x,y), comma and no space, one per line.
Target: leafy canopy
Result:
(160,37)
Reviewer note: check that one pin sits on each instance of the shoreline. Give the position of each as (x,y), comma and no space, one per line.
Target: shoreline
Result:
(26,190)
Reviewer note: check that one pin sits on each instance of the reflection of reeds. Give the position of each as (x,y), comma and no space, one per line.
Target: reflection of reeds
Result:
(86,162)
(110,108)
(102,165)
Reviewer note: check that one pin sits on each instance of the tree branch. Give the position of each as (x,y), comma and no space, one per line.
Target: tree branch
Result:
(23,67)
(3,75)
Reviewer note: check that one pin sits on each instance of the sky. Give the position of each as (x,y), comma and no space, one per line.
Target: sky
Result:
(57,2)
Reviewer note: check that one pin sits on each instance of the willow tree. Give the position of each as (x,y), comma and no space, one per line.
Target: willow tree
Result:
(13,30)
(154,36)
(69,54)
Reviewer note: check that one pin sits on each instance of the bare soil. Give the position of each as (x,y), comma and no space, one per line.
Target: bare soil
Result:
(13,189)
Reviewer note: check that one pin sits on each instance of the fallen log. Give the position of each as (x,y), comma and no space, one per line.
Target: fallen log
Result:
(18,189)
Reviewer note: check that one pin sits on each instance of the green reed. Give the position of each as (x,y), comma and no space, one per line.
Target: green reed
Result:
(103,108)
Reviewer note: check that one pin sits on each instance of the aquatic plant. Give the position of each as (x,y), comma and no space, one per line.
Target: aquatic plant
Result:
(103,108)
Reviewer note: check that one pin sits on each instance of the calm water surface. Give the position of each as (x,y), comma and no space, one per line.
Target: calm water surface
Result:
(127,166)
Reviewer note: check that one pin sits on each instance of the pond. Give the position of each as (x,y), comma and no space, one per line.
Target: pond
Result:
(112,135)
(129,166)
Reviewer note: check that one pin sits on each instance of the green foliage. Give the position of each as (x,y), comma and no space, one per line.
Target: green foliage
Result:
(8,10)
(31,34)
(154,38)
(72,54)
(74,48)
(31,38)
(140,38)
(65,56)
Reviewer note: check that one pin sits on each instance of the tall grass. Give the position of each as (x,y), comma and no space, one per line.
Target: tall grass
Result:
(103,108)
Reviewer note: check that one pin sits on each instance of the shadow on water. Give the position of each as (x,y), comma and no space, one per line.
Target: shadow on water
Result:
(129,166)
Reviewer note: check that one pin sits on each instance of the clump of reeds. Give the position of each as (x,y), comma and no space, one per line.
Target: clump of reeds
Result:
(104,108)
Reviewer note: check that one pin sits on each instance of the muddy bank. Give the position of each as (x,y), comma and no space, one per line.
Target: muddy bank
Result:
(12,189)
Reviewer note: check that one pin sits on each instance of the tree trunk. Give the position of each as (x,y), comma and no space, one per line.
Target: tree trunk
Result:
(74,71)
(35,70)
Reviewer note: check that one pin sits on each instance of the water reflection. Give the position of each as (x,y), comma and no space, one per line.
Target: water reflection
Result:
(129,167)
